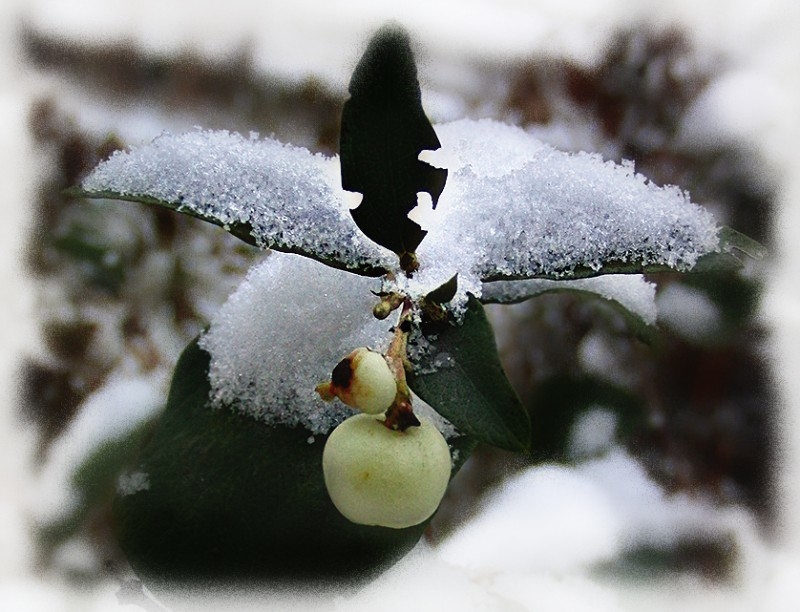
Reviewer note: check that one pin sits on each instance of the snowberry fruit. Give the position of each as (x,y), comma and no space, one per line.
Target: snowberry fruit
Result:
(362,380)
(381,476)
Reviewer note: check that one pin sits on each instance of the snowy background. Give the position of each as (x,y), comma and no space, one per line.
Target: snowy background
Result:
(483,565)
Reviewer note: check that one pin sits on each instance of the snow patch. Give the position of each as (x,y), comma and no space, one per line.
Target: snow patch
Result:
(560,519)
(689,312)
(287,195)
(513,207)
(282,332)
(593,432)
(546,518)
(110,413)
(133,482)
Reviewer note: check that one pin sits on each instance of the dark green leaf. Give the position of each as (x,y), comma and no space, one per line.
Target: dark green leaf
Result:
(243,231)
(715,556)
(469,387)
(384,129)
(639,327)
(230,497)
(735,249)
(560,400)
(444,293)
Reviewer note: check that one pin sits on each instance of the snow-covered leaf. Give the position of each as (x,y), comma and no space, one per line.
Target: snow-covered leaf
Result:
(384,129)
(463,379)
(515,208)
(629,294)
(268,194)
(735,250)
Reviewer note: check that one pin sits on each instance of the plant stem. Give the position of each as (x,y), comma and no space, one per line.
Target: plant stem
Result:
(400,415)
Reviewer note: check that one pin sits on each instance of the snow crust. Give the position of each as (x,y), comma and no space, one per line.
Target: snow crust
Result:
(282,332)
(513,207)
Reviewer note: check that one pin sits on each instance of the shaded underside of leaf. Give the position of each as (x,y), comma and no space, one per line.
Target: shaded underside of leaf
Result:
(734,251)
(468,385)
(642,328)
(242,231)
(263,191)
(384,129)
(444,293)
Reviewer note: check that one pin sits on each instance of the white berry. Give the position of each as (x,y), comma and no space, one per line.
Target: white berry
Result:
(380,476)
(362,380)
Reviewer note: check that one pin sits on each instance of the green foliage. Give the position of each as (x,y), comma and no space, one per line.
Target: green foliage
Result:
(444,293)
(560,401)
(95,483)
(384,129)
(468,385)
(242,231)
(233,498)
(637,325)
(738,246)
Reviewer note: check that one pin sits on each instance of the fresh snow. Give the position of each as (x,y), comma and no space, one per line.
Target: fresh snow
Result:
(282,332)
(290,197)
(512,208)
(606,507)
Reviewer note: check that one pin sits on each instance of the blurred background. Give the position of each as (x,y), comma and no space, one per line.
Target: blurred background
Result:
(101,298)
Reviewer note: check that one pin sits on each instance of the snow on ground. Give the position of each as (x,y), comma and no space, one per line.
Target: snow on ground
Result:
(758,101)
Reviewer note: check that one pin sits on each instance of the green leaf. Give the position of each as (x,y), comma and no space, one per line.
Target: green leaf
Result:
(443,293)
(94,483)
(713,553)
(243,231)
(384,129)
(735,250)
(641,320)
(469,387)
(231,498)
(560,400)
